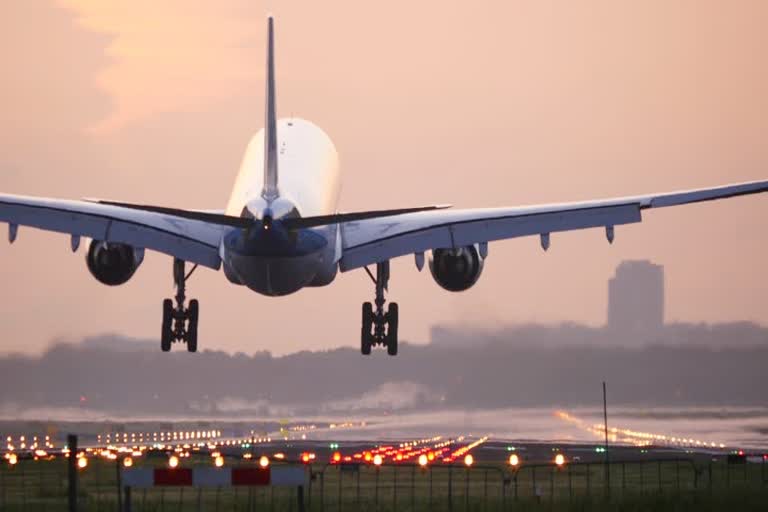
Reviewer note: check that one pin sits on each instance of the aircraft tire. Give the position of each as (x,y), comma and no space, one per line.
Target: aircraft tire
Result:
(392,324)
(365,334)
(194,314)
(166,334)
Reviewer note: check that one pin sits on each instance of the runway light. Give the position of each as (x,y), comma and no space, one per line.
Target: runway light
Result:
(128,462)
(336,457)
(12,459)
(82,462)
(514,460)
(469,460)
(423,460)
(559,459)
(305,458)
(264,461)
(377,460)
(173,461)
(218,461)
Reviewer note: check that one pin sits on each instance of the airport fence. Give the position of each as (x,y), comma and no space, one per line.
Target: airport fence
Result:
(42,485)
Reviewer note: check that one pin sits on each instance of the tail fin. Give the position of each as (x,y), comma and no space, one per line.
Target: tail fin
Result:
(270,190)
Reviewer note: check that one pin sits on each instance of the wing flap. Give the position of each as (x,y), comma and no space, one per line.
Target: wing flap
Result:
(191,240)
(374,240)
(466,227)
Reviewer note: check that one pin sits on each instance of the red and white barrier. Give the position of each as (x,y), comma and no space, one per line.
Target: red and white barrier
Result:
(215,477)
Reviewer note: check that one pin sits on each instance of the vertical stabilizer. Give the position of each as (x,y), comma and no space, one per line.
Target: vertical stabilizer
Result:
(270,190)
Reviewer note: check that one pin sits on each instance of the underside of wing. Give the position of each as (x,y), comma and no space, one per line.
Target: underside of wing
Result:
(374,240)
(191,240)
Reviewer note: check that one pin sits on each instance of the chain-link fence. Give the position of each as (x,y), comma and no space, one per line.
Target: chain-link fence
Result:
(41,485)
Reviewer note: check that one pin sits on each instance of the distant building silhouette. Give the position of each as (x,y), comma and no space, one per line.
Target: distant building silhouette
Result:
(636,297)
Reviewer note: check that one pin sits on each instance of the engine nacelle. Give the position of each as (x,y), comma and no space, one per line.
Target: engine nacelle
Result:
(456,270)
(113,263)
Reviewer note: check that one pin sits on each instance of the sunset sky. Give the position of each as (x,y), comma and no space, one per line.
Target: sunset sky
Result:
(490,103)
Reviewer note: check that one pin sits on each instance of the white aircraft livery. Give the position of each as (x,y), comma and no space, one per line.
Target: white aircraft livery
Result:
(281,231)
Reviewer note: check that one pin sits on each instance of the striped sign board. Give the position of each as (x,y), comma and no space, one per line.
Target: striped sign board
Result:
(283,476)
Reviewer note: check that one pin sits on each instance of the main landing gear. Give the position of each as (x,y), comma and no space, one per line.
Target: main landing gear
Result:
(379,327)
(180,324)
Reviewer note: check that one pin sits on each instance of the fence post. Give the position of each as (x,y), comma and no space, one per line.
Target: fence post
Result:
(341,474)
(322,488)
(623,479)
(515,485)
(570,485)
(466,491)
(430,487)
(376,499)
(300,498)
(677,474)
(2,486)
(413,487)
(450,486)
(127,502)
(552,485)
(658,465)
(533,480)
(394,485)
(589,490)
(118,462)
(72,472)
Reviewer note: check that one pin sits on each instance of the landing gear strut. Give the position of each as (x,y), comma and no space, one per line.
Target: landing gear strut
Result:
(179,323)
(379,327)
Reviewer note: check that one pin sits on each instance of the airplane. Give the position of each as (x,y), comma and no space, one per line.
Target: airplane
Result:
(281,230)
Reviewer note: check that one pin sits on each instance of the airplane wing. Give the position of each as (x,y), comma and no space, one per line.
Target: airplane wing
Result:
(369,241)
(192,240)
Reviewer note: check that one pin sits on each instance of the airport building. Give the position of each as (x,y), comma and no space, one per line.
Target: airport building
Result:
(636,297)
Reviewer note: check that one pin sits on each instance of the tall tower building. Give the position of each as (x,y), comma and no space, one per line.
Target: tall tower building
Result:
(636,297)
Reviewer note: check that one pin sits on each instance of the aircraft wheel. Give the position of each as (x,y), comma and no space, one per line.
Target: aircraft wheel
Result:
(392,323)
(365,334)
(166,334)
(194,312)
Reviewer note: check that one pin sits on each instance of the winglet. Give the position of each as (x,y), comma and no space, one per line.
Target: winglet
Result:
(270,190)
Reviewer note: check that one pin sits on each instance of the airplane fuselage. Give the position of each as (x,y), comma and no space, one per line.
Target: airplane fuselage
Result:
(270,259)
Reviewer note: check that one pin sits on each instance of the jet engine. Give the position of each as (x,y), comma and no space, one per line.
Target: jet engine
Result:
(113,263)
(456,270)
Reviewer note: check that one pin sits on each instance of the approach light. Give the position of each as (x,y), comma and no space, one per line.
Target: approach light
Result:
(218,461)
(173,462)
(423,460)
(82,462)
(128,462)
(13,459)
(514,460)
(559,459)
(336,457)
(469,460)
(377,460)
(264,461)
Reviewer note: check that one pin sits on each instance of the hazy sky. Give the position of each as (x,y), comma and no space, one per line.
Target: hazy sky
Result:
(475,104)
